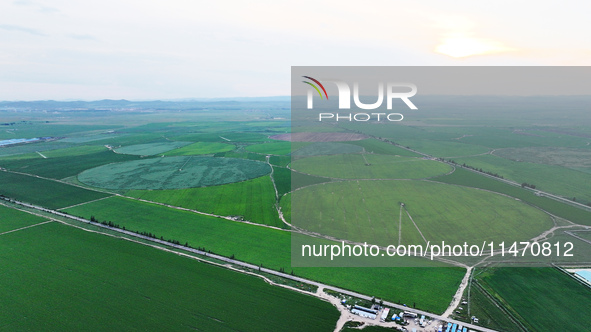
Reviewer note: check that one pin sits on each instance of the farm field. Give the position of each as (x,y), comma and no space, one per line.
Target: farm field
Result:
(572,183)
(444,148)
(516,288)
(173,173)
(571,158)
(254,200)
(370,166)
(11,219)
(470,179)
(80,274)
(379,147)
(369,211)
(47,193)
(275,148)
(150,149)
(287,180)
(201,148)
(63,163)
(270,247)
(324,148)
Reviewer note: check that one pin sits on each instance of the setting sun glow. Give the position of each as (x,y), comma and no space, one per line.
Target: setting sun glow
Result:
(460,47)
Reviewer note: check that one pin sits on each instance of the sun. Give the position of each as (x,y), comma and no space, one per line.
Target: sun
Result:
(460,46)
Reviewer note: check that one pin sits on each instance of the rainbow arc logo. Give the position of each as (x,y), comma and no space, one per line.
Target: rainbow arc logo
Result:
(316,87)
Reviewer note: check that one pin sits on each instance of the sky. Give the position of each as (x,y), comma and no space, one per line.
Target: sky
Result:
(146,49)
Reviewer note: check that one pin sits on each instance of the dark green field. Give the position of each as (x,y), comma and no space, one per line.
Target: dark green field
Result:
(531,293)
(70,162)
(270,247)
(11,219)
(47,193)
(56,277)
(173,173)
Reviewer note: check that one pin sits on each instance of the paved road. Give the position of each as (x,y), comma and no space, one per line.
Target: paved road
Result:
(256,267)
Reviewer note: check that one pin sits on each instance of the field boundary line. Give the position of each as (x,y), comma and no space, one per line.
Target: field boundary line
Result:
(94,200)
(19,229)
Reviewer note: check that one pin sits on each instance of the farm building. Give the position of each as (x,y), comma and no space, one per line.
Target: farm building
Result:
(364,312)
(385,314)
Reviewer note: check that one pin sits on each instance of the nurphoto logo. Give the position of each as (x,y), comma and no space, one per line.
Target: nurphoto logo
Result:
(344,98)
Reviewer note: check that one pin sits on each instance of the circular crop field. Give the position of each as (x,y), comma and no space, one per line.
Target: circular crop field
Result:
(372,211)
(173,173)
(370,166)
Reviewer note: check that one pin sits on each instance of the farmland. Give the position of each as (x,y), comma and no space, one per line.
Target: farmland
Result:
(11,219)
(80,274)
(275,148)
(370,166)
(254,200)
(63,163)
(173,173)
(201,148)
(150,149)
(467,178)
(43,192)
(270,247)
(572,183)
(369,211)
(516,287)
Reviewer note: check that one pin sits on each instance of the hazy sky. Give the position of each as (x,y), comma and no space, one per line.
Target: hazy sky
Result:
(146,49)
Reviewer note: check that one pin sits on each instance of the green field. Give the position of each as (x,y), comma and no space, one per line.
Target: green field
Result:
(471,179)
(47,193)
(275,148)
(270,247)
(63,163)
(173,173)
(444,148)
(87,281)
(370,166)
(370,211)
(201,148)
(531,293)
(254,200)
(572,183)
(380,147)
(11,219)
(287,180)
(571,158)
(150,149)
(324,148)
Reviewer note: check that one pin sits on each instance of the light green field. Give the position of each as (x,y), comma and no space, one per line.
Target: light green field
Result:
(370,166)
(173,173)
(554,179)
(150,149)
(275,148)
(380,147)
(370,211)
(56,277)
(445,149)
(324,148)
(572,158)
(254,200)
(201,148)
(11,219)
(270,247)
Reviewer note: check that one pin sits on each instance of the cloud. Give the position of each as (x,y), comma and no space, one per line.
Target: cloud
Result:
(39,7)
(17,28)
(83,37)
